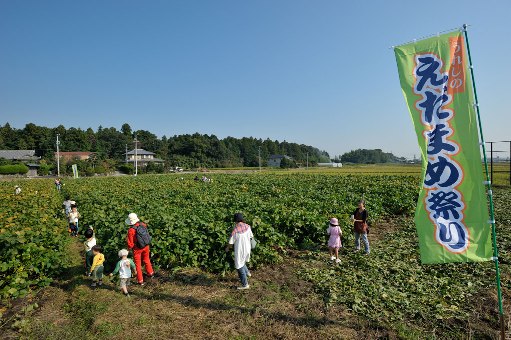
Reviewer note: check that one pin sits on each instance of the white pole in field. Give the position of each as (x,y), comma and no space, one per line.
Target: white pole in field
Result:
(136,161)
(58,156)
(259,159)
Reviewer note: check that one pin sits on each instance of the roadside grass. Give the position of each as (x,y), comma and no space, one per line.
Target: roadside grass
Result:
(188,304)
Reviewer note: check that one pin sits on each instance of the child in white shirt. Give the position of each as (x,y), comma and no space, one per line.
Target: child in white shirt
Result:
(124,267)
(73,221)
(90,241)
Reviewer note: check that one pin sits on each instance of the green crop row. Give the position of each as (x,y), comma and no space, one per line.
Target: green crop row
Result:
(33,237)
(190,221)
(392,287)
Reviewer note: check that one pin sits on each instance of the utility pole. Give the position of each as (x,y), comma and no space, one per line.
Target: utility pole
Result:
(491,161)
(58,156)
(259,159)
(508,141)
(126,155)
(307,161)
(136,160)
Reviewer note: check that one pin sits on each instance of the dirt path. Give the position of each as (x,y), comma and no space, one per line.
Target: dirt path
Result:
(192,304)
(187,304)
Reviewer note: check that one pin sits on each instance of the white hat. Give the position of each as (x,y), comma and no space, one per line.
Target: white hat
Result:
(132,219)
(123,252)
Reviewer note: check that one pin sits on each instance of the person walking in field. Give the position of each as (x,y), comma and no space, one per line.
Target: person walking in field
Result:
(97,268)
(74,215)
(360,227)
(124,268)
(58,183)
(240,239)
(90,241)
(67,205)
(334,242)
(139,240)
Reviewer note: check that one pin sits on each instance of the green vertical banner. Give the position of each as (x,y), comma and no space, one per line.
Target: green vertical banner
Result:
(452,213)
(75,170)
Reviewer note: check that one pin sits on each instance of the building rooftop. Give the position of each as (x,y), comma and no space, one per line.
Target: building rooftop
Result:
(18,154)
(279,157)
(147,160)
(140,152)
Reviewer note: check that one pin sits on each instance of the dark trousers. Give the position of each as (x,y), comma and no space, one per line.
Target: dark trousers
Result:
(89,257)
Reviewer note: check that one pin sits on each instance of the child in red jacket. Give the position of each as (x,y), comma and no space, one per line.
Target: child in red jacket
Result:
(140,245)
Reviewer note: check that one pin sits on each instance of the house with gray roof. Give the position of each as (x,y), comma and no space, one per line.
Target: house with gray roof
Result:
(143,157)
(275,160)
(19,155)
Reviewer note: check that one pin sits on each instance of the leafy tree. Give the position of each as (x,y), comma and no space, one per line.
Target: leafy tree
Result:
(364,156)
(126,130)
(189,150)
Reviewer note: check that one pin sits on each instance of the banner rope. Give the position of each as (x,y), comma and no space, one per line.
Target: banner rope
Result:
(428,36)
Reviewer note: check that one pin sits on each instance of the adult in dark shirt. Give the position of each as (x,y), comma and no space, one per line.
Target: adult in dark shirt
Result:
(359,219)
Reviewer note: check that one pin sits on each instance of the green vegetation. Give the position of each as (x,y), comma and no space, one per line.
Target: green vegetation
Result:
(190,220)
(295,288)
(364,156)
(188,151)
(13,169)
(33,237)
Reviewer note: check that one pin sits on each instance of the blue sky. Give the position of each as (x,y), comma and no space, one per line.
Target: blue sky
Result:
(312,72)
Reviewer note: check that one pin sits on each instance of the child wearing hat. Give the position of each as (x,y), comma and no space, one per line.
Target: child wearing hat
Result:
(124,267)
(334,242)
(240,241)
(141,252)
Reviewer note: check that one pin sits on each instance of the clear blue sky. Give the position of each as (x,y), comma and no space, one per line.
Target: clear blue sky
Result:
(313,72)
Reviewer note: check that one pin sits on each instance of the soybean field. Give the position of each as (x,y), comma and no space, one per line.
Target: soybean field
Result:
(190,222)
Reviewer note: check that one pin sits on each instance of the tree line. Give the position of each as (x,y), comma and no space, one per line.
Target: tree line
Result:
(368,156)
(188,150)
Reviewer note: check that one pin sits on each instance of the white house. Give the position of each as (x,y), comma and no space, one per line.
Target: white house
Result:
(331,165)
(143,157)
(275,160)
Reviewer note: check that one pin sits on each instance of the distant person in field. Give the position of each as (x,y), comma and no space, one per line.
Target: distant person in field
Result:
(97,268)
(74,215)
(58,183)
(240,239)
(139,240)
(17,190)
(124,268)
(334,241)
(90,241)
(67,205)
(360,227)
